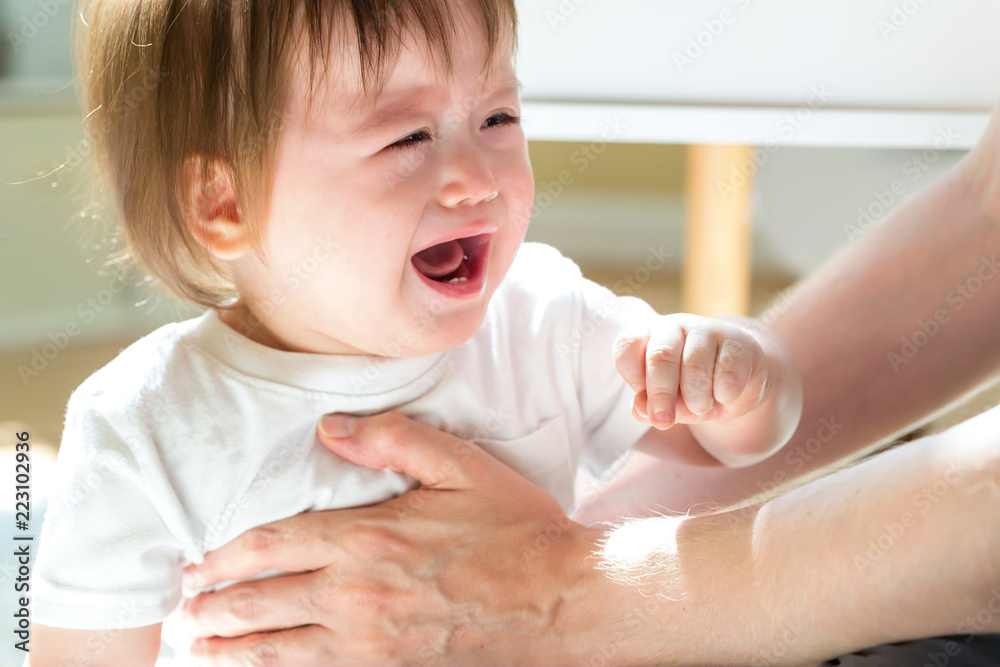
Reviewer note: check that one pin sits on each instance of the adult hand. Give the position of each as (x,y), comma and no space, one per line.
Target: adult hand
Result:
(475,566)
(480,567)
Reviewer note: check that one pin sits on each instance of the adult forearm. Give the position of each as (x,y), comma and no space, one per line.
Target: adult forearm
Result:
(901,546)
(896,328)
(899,326)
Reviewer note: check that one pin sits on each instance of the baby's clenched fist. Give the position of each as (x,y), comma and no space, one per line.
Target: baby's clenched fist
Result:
(687,369)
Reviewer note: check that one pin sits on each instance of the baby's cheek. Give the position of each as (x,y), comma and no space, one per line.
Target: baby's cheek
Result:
(519,196)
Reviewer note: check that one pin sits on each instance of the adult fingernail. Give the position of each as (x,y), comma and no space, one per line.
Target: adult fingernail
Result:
(337,426)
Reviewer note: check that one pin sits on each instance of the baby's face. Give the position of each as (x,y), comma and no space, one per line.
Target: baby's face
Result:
(388,235)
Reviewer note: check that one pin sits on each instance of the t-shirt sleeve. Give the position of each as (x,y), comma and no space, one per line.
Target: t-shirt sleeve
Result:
(105,556)
(610,430)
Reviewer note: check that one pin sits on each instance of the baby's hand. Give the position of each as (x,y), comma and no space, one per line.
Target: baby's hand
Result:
(688,369)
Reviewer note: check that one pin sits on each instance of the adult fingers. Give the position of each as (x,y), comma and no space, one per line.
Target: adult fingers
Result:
(308,645)
(390,440)
(299,543)
(277,603)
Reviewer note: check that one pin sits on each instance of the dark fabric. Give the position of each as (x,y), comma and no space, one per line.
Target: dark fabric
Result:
(953,651)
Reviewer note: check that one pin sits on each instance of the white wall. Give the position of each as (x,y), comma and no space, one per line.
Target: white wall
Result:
(912,54)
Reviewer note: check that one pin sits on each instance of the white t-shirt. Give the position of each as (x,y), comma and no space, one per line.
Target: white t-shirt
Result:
(195,434)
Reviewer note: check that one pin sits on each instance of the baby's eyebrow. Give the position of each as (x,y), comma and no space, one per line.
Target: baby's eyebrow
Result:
(414,99)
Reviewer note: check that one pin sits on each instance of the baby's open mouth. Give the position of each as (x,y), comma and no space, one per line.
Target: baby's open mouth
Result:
(453,261)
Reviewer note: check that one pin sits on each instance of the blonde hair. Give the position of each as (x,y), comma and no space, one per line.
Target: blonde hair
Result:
(165,81)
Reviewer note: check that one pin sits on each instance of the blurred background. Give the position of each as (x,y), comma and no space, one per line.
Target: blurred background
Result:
(807,203)
(621,201)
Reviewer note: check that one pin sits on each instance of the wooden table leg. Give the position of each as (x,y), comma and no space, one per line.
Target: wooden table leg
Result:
(717,259)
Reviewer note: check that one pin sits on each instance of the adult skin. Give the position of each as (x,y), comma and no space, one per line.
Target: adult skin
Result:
(786,582)
(480,567)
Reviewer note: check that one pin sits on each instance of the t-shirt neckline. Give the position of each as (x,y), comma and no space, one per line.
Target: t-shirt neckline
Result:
(355,375)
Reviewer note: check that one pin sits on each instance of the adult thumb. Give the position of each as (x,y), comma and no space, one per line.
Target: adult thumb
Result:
(391,440)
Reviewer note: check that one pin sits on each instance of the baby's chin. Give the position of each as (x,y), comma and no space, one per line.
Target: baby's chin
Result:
(445,332)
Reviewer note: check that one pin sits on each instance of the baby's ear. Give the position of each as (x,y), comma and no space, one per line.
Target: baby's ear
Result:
(211,211)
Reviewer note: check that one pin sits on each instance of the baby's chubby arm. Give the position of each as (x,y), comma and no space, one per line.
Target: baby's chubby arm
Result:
(58,647)
(729,384)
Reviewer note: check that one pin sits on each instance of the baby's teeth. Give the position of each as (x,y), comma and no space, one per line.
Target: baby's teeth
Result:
(458,280)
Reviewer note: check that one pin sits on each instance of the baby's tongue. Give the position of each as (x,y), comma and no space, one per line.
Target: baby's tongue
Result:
(440,260)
